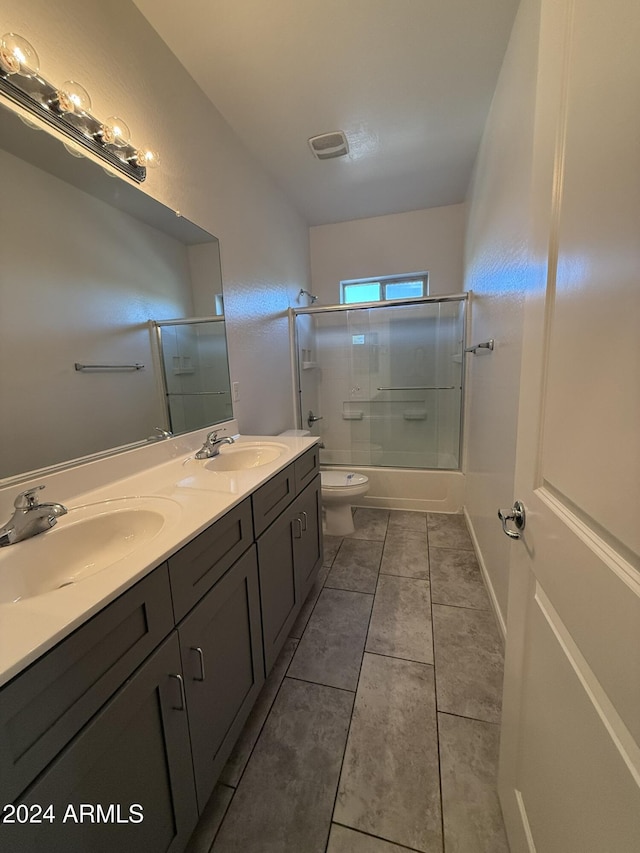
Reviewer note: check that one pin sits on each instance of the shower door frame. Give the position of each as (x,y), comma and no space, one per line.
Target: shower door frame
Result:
(365,306)
(156,327)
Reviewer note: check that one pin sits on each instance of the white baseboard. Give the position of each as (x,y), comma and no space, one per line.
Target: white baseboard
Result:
(486,578)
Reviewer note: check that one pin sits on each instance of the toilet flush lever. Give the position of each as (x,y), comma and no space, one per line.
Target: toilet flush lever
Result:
(517,515)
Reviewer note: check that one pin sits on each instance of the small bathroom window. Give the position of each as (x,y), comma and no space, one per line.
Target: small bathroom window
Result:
(384,288)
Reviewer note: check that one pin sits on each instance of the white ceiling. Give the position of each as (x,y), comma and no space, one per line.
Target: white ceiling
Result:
(408,81)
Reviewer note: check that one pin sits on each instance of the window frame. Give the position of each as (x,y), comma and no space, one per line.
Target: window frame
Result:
(384,281)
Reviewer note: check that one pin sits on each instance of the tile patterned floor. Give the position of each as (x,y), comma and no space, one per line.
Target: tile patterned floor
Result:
(377,730)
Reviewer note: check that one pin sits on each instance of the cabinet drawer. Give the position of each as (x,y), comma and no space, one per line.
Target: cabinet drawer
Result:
(197,566)
(306,467)
(44,707)
(272,498)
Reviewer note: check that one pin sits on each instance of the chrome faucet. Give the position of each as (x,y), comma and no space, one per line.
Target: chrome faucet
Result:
(30,517)
(212,445)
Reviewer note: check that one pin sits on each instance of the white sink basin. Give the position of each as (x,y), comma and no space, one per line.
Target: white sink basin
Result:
(87,540)
(242,457)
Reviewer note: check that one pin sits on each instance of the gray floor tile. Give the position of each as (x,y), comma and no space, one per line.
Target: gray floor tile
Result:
(370,523)
(345,840)
(234,767)
(356,566)
(389,786)
(401,619)
(448,531)
(405,553)
(210,820)
(331,546)
(283,803)
(330,651)
(469,662)
(415,522)
(307,608)
(469,766)
(456,579)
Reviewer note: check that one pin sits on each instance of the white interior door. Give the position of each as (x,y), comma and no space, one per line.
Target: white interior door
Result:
(570,757)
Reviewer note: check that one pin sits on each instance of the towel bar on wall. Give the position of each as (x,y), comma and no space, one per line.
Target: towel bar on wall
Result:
(79,366)
(419,388)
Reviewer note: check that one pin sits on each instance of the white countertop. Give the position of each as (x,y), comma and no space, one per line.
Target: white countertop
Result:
(196,497)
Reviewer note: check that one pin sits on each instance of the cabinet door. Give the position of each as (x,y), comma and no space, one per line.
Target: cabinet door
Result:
(289,556)
(307,538)
(133,761)
(278,599)
(45,706)
(221,647)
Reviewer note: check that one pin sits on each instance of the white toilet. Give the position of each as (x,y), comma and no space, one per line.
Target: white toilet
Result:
(339,489)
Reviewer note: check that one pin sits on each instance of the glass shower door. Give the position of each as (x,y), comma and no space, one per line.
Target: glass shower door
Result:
(387,382)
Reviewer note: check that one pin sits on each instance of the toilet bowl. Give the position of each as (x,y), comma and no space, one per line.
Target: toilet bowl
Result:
(339,489)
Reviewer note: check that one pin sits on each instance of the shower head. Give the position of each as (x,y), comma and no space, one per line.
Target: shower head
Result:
(310,295)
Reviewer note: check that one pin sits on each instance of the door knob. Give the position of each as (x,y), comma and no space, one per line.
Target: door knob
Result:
(517,515)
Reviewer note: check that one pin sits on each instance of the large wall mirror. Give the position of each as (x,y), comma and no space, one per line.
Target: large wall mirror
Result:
(86,262)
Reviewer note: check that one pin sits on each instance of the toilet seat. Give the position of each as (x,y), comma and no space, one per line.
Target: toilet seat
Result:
(342,480)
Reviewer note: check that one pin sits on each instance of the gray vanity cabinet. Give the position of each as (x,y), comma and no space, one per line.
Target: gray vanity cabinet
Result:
(289,556)
(134,759)
(123,728)
(221,648)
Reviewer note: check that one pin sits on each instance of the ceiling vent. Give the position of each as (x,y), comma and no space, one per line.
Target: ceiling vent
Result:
(329,145)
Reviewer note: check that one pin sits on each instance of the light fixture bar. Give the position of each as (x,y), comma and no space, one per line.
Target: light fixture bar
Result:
(42,99)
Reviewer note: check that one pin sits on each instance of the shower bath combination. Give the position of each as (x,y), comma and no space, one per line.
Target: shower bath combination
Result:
(382,383)
(382,386)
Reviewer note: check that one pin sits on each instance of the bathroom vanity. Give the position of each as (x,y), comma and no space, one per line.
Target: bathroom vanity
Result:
(113,738)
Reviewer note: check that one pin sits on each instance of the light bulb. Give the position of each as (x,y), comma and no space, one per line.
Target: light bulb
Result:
(71,97)
(115,132)
(17,56)
(148,157)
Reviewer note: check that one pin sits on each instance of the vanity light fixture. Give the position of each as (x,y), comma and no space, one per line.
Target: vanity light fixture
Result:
(67,108)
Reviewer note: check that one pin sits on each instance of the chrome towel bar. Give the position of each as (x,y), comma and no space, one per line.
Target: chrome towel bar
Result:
(79,366)
(419,388)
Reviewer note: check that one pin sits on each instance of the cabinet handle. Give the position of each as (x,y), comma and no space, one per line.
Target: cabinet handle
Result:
(304,517)
(299,536)
(183,702)
(200,654)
